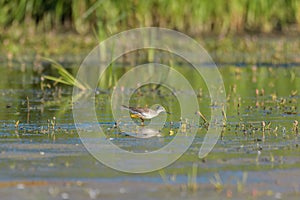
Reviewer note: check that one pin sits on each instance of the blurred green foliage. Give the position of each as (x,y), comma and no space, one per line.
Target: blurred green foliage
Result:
(193,17)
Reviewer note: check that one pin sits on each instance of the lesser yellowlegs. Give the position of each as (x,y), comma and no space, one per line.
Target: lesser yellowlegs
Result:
(144,113)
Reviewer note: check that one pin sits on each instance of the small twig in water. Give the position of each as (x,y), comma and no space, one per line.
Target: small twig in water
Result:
(202,117)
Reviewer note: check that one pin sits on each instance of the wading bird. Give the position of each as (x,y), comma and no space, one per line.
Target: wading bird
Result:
(144,113)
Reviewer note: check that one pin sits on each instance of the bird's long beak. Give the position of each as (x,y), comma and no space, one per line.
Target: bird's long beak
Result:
(168,112)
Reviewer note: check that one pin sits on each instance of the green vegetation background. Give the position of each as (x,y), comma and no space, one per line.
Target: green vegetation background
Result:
(63,26)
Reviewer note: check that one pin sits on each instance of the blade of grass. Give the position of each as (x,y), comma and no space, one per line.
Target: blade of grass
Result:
(66,77)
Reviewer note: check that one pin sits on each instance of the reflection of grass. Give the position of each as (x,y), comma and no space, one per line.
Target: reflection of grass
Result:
(192,178)
(163,176)
(191,181)
(217,182)
(241,183)
(65,77)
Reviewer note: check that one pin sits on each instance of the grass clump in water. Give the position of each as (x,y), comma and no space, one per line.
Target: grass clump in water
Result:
(65,77)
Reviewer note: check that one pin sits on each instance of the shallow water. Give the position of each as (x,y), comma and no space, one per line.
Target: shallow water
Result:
(44,145)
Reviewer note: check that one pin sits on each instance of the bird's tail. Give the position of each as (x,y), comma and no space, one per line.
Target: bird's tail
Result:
(125,107)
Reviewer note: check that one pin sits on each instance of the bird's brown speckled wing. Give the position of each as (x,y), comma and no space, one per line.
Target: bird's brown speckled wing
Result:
(136,110)
(139,110)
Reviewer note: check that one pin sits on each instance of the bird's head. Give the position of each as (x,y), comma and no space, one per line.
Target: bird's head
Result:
(160,109)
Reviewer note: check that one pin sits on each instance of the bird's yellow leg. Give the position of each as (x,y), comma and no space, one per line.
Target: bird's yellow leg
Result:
(142,121)
(134,116)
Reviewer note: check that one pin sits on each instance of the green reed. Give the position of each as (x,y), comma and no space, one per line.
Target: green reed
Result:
(193,17)
(65,77)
